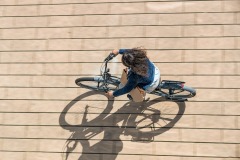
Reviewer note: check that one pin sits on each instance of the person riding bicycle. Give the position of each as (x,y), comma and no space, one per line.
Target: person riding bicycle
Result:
(142,72)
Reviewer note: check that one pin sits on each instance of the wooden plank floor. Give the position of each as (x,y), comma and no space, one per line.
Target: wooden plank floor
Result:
(47,44)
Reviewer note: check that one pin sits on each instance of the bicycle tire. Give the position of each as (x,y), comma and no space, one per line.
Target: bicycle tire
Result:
(96,83)
(184,93)
(190,93)
(190,90)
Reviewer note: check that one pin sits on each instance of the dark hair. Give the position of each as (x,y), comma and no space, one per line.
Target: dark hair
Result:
(136,59)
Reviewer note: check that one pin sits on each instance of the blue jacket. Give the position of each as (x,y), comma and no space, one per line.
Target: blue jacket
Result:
(135,80)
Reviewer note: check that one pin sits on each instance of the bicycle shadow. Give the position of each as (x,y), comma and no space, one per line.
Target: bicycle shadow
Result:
(85,136)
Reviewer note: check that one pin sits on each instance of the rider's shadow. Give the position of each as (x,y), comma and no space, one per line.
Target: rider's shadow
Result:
(141,121)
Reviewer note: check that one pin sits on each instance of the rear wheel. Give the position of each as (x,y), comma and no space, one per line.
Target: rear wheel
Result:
(175,90)
(184,93)
(97,83)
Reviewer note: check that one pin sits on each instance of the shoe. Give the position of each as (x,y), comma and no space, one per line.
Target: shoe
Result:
(129,97)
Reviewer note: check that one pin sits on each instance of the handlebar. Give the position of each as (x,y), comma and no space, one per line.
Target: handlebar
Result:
(110,57)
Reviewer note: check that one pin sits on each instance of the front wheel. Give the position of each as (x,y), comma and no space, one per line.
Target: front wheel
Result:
(97,83)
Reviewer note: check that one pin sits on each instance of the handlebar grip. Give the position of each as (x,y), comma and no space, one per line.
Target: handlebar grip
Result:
(110,57)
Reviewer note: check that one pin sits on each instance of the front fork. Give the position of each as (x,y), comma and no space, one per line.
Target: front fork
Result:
(102,82)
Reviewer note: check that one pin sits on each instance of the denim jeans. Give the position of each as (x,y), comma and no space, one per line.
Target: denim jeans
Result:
(151,87)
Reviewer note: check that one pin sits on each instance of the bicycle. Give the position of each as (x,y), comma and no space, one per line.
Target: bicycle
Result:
(169,89)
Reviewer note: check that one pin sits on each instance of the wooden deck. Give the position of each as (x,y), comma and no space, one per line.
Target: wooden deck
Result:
(47,44)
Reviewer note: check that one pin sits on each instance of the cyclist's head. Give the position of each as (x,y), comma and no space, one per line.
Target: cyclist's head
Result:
(136,59)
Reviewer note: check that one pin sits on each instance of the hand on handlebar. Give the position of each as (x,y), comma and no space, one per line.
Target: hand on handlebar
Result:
(115,52)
